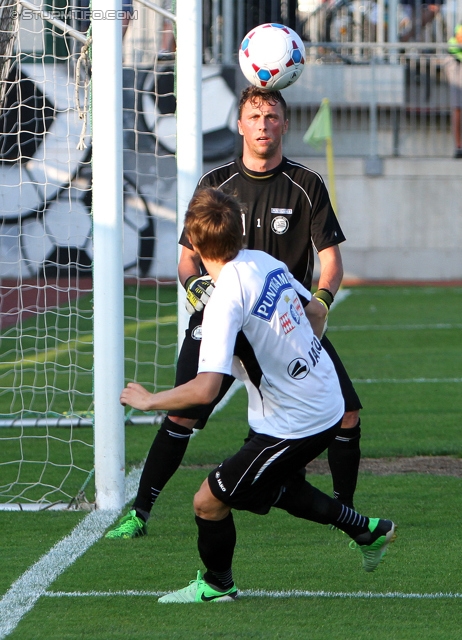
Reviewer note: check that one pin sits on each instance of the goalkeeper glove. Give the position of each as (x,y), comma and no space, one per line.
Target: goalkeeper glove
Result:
(198,292)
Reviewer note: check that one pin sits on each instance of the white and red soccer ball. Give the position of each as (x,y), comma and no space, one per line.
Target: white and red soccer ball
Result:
(272,56)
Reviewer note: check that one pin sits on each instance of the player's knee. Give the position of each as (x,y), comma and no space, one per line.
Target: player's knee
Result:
(350,419)
(206,506)
(187,423)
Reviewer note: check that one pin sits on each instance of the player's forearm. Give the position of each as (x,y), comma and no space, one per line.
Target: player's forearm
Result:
(316,313)
(331,274)
(202,390)
(188,265)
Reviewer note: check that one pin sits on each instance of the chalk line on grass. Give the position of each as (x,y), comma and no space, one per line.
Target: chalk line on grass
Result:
(340,296)
(24,593)
(395,327)
(406,380)
(26,590)
(260,593)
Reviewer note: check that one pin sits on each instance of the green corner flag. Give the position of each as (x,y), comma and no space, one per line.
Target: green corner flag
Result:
(320,129)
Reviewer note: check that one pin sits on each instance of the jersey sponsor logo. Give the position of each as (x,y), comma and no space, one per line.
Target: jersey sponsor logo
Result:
(196,333)
(279,225)
(298,306)
(284,212)
(286,323)
(294,314)
(276,283)
(315,350)
(298,369)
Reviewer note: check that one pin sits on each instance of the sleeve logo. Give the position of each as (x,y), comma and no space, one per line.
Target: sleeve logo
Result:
(276,283)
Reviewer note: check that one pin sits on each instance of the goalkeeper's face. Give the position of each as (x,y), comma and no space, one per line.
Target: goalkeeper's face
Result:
(262,125)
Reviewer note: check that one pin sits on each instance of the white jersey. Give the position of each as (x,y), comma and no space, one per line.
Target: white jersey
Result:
(299,393)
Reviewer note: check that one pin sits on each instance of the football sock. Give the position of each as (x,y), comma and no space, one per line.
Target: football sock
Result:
(163,460)
(222,580)
(307,502)
(216,542)
(351,522)
(344,456)
(144,515)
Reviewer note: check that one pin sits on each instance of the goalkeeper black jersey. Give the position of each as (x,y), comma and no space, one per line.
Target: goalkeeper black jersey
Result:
(286,212)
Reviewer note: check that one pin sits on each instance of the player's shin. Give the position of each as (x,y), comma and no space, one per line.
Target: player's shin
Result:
(163,460)
(344,456)
(216,542)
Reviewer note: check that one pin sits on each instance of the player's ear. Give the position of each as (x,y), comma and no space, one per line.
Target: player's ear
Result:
(239,128)
(285,128)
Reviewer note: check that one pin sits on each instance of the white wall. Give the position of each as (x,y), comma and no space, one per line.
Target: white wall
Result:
(405,224)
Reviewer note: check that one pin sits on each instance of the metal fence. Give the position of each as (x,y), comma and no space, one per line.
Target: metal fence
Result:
(333,21)
(389,95)
(386,101)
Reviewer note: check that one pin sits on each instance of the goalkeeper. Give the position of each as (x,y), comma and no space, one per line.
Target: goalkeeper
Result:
(287,214)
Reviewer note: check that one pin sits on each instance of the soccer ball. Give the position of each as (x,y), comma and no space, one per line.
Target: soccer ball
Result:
(272,56)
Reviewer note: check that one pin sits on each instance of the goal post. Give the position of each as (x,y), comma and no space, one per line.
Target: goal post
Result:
(108,219)
(107,210)
(188,118)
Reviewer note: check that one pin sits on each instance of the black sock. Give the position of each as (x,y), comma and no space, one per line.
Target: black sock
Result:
(302,500)
(351,522)
(221,580)
(307,502)
(344,455)
(163,460)
(216,542)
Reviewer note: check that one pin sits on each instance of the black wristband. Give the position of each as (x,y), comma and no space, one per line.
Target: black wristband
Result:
(325,295)
(188,281)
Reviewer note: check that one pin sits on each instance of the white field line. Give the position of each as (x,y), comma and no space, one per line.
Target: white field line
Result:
(340,296)
(395,327)
(405,380)
(24,593)
(33,584)
(268,594)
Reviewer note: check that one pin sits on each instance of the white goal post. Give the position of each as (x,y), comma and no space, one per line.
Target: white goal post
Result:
(107,217)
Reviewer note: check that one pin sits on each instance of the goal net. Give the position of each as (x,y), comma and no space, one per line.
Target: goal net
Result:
(46,248)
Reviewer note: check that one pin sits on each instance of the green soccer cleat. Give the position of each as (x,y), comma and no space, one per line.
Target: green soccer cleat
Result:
(373,544)
(199,591)
(130,526)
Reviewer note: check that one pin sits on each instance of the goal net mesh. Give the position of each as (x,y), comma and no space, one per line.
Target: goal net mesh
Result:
(46,296)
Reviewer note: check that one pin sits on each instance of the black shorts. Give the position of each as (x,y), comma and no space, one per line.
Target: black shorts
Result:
(252,479)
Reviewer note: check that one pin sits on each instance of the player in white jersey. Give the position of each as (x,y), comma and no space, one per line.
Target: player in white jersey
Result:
(258,295)
(294,410)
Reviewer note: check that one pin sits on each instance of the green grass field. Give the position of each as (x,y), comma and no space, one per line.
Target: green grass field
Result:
(298,580)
